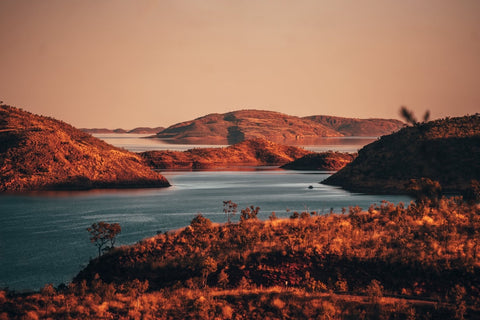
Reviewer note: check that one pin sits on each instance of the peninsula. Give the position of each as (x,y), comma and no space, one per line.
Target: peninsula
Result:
(41,153)
(445,150)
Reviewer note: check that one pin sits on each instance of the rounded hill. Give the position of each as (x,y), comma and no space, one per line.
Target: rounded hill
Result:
(41,153)
(237,126)
(446,150)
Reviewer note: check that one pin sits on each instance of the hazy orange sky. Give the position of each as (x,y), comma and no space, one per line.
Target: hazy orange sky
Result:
(132,63)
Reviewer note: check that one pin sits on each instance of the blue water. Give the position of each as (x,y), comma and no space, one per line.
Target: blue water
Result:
(43,237)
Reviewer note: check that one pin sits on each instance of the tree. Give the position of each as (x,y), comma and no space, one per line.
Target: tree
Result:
(249,213)
(208,266)
(200,224)
(374,291)
(223,279)
(48,292)
(424,190)
(229,208)
(103,233)
(457,297)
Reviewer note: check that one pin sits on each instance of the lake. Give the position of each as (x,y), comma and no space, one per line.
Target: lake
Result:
(43,237)
(141,142)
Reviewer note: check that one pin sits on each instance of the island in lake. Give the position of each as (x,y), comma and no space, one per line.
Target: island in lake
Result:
(253,152)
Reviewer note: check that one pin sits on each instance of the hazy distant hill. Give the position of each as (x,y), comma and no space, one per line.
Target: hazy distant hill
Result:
(139,130)
(330,161)
(446,150)
(38,153)
(253,152)
(237,126)
(359,127)
(146,130)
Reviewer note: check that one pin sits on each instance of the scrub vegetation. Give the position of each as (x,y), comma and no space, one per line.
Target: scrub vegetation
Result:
(446,150)
(415,261)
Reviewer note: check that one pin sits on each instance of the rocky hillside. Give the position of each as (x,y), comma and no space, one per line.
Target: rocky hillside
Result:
(359,127)
(446,150)
(40,153)
(237,126)
(328,161)
(250,152)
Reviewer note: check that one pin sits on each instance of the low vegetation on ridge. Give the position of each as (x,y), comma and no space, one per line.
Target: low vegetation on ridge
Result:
(420,261)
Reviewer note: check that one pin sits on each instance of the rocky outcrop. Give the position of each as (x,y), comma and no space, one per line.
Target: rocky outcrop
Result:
(327,161)
(40,153)
(446,150)
(255,152)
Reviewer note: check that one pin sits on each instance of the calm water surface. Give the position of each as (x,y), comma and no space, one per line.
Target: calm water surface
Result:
(140,142)
(43,237)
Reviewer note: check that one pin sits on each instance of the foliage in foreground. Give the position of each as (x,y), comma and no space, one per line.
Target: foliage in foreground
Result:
(390,262)
(102,301)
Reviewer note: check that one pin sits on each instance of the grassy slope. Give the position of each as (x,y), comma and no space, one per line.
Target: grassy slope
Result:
(380,244)
(38,153)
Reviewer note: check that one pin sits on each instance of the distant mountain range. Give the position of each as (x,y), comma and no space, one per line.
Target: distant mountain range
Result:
(237,126)
(446,150)
(373,127)
(41,153)
(139,130)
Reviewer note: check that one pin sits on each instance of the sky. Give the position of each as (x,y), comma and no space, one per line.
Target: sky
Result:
(119,63)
